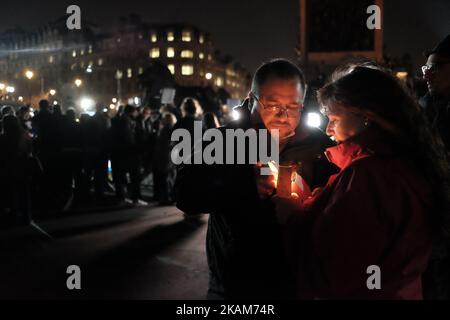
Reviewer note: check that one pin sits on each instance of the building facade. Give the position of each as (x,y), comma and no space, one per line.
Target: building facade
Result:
(54,62)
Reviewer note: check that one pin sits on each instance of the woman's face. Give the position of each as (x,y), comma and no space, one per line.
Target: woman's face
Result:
(344,124)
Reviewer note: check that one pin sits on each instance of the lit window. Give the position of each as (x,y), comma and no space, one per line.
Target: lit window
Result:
(209,57)
(187,70)
(201,39)
(50,59)
(100,61)
(129,73)
(186,36)
(170,36)
(170,52)
(219,82)
(74,53)
(82,52)
(187,54)
(171,67)
(154,53)
(201,55)
(140,70)
(90,50)
(154,37)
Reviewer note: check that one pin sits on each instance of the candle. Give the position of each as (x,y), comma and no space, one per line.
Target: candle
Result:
(284,180)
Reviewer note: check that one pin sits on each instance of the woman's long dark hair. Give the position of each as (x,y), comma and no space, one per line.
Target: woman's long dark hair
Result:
(377,95)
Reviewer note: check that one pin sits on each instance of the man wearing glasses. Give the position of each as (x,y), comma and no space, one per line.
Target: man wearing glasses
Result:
(244,242)
(437,102)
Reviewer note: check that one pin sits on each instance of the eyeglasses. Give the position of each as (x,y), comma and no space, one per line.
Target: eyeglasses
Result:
(292,110)
(433,67)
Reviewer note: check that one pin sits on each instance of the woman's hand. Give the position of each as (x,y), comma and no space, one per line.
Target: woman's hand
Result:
(287,208)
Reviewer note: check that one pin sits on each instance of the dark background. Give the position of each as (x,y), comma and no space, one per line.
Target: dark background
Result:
(251,30)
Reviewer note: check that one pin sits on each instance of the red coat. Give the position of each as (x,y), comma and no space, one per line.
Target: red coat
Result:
(373,212)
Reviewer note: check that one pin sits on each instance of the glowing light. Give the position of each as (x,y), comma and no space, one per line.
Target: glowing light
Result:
(20,98)
(208,76)
(78,82)
(401,75)
(89,69)
(55,103)
(114,100)
(86,103)
(29,74)
(2,86)
(10,89)
(136,101)
(105,110)
(313,120)
(52,92)
(112,106)
(235,115)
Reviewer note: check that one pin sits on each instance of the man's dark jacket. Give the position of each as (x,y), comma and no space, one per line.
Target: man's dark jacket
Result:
(245,248)
(438,113)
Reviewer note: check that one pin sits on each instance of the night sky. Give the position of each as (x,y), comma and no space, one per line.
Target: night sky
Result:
(250,30)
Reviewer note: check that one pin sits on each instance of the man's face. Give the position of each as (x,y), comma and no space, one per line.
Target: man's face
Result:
(287,95)
(134,114)
(146,114)
(438,80)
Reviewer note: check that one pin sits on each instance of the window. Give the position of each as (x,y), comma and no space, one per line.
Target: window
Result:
(82,52)
(170,52)
(170,36)
(201,55)
(74,53)
(186,36)
(90,49)
(171,67)
(50,59)
(140,70)
(154,53)
(201,39)
(187,54)
(129,73)
(209,57)
(100,61)
(219,82)
(153,37)
(187,70)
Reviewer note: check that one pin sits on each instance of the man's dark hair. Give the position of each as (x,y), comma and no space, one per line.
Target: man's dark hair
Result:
(129,109)
(44,105)
(277,68)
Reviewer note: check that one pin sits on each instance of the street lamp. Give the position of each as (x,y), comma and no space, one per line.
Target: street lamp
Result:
(52,92)
(29,74)
(208,76)
(78,82)
(10,89)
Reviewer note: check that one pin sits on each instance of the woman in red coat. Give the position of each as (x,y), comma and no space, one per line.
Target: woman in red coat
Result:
(368,233)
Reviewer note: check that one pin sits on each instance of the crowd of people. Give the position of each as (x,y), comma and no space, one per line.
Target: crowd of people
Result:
(53,160)
(369,217)
(374,187)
